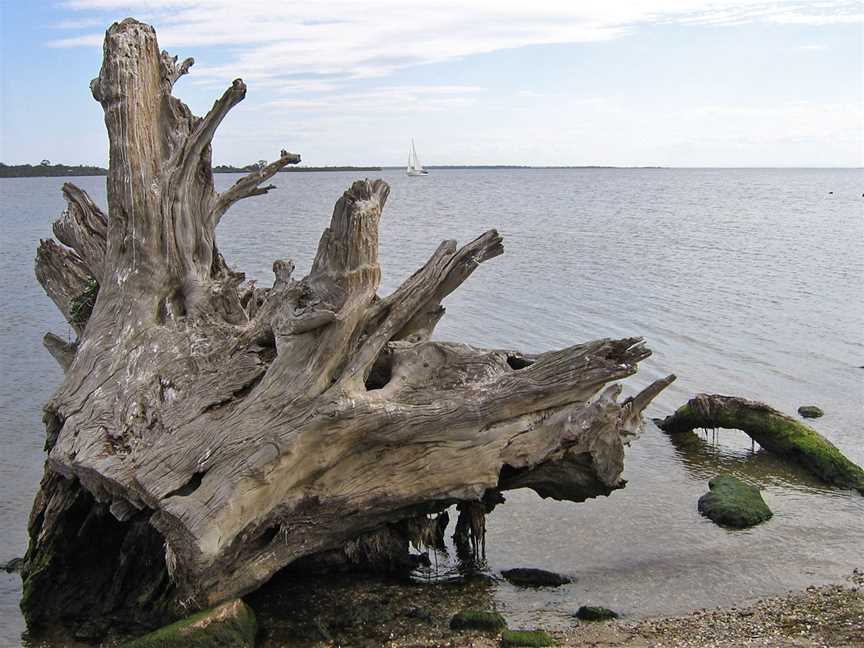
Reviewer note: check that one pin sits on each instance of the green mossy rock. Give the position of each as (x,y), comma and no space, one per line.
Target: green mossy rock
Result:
(478,620)
(773,430)
(530,577)
(595,613)
(230,625)
(810,411)
(733,503)
(526,638)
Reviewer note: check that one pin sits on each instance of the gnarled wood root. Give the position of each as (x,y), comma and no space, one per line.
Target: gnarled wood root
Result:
(248,428)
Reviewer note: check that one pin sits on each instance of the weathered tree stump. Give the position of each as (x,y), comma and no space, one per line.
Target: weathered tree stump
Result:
(210,432)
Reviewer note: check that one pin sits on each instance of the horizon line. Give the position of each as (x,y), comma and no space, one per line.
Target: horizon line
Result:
(496,165)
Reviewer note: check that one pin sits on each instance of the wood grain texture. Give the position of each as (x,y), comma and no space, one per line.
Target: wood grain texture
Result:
(250,426)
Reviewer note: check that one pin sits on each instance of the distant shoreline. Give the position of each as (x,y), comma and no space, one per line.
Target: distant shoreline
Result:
(49,170)
(223,168)
(63,170)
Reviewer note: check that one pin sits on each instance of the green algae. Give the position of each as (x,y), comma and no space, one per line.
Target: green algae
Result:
(230,625)
(732,503)
(529,638)
(478,620)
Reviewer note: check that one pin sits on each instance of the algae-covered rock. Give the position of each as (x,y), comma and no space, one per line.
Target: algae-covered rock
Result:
(230,625)
(478,620)
(529,577)
(526,638)
(774,431)
(732,503)
(595,613)
(810,411)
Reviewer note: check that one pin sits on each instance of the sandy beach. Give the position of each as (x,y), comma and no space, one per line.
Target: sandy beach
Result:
(829,617)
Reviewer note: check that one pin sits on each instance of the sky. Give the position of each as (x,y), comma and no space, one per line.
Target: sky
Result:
(728,83)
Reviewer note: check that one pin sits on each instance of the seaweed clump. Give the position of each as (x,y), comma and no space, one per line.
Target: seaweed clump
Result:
(478,620)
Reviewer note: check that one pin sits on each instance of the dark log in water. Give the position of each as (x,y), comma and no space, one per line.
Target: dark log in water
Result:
(209,432)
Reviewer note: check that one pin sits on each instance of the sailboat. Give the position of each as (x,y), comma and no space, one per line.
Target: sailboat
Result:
(414,166)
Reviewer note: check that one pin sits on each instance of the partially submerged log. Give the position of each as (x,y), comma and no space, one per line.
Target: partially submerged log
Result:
(208,432)
(771,429)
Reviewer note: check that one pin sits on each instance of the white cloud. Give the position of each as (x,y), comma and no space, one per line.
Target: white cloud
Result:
(303,59)
(390,99)
(276,40)
(79,23)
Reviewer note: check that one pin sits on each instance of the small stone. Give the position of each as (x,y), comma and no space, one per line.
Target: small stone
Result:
(13,566)
(595,613)
(478,620)
(419,613)
(529,577)
(810,411)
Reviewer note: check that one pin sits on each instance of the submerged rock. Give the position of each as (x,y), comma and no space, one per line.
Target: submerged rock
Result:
(810,411)
(230,625)
(595,613)
(478,620)
(526,638)
(774,431)
(419,613)
(732,503)
(529,577)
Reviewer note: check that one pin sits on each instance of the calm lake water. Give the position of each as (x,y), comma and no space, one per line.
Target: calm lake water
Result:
(745,282)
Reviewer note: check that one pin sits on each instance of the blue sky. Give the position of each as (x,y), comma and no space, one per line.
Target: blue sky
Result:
(629,82)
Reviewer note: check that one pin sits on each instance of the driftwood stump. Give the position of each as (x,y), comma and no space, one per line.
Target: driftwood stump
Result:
(210,432)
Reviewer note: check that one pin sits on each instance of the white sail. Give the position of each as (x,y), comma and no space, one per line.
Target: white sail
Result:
(417,165)
(414,166)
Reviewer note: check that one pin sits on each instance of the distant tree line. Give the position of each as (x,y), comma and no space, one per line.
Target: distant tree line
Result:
(260,164)
(46,169)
